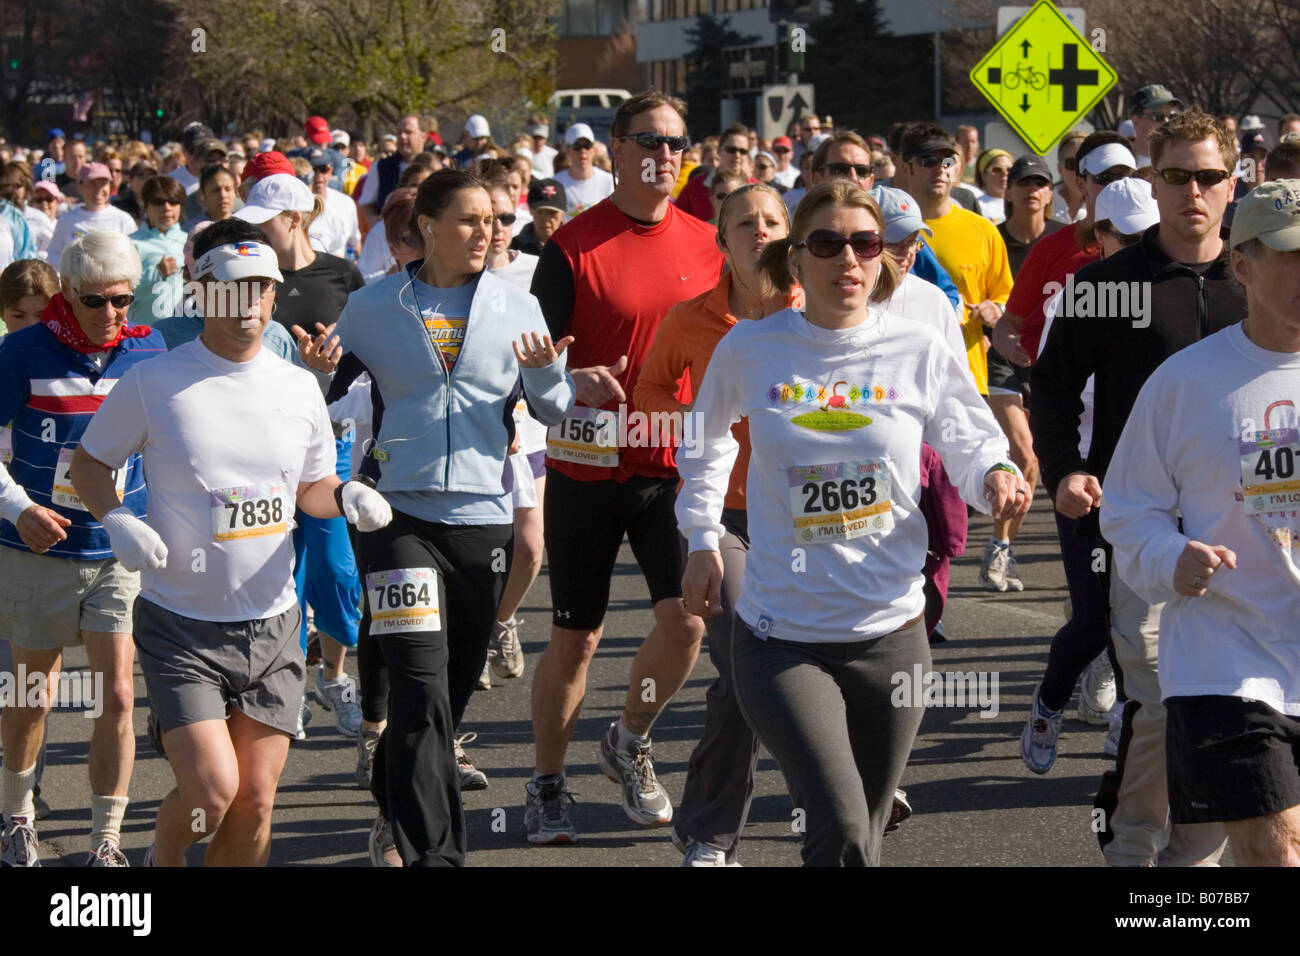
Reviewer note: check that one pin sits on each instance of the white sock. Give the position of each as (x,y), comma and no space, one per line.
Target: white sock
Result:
(1005,542)
(538,776)
(626,738)
(18,799)
(106,815)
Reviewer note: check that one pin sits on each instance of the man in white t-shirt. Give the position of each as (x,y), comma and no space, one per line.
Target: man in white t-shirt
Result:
(233,438)
(95,214)
(1202,507)
(336,229)
(584,183)
(543,158)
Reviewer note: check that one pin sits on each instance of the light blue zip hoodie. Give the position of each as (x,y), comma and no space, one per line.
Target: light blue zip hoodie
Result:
(437,433)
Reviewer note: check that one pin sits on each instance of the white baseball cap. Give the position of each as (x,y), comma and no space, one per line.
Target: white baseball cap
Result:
(266,145)
(578,131)
(275,194)
(477,127)
(239,260)
(1105,156)
(340,136)
(1129,205)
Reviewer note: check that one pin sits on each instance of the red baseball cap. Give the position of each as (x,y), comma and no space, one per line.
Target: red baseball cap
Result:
(266,164)
(782,141)
(317,130)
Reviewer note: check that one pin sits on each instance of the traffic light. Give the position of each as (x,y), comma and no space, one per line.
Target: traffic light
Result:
(158,112)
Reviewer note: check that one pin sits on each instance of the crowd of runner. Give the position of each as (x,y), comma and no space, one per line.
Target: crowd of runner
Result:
(270,401)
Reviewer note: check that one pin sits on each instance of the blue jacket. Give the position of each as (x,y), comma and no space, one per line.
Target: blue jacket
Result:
(50,392)
(12,216)
(440,433)
(158,296)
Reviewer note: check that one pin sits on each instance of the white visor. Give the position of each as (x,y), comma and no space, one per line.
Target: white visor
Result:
(1104,157)
(239,260)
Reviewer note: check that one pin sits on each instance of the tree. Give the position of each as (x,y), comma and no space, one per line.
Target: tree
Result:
(705,70)
(866,78)
(274,64)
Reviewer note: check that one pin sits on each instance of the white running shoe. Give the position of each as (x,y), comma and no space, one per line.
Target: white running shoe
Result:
(504,653)
(993,565)
(339,696)
(1038,741)
(485,679)
(1097,692)
(107,853)
(471,778)
(383,849)
(1013,573)
(18,843)
(645,802)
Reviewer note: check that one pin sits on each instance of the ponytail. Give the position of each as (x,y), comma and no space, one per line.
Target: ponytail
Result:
(774,265)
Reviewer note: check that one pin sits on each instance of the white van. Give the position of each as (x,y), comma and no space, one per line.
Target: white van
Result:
(591,98)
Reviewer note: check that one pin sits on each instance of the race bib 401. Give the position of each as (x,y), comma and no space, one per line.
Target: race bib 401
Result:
(1269,483)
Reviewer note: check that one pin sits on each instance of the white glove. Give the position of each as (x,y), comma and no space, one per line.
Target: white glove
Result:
(135,544)
(365,507)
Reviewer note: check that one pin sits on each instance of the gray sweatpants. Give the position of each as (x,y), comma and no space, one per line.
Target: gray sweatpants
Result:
(825,713)
(720,775)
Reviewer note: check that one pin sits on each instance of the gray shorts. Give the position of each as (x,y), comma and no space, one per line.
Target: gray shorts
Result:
(46,601)
(198,670)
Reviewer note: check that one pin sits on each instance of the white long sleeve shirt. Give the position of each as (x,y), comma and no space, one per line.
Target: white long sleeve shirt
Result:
(1192,444)
(836,419)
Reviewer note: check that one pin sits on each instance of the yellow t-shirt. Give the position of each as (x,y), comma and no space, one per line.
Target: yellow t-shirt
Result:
(970,248)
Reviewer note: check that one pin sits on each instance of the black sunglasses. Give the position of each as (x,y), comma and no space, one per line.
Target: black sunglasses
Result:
(736,150)
(843,169)
(97,301)
(763,167)
(1162,116)
(947,161)
(1203,177)
(506,218)
(825,244)
(1033,182)
(1106,178)
(651,142)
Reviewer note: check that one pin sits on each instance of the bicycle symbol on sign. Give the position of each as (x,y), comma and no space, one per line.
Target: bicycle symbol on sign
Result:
(1032,78)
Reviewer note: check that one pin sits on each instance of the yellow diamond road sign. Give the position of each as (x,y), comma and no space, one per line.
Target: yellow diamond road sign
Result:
(1043,76)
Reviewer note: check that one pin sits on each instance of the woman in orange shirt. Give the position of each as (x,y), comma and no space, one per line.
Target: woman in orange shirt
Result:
(720,776)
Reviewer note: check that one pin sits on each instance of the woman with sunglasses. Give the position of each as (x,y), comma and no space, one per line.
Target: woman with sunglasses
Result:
(161,245)
(447,345)
(991,171)
(720,775)
(839,398)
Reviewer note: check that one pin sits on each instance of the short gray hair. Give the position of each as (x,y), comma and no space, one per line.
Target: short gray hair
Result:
(100,257)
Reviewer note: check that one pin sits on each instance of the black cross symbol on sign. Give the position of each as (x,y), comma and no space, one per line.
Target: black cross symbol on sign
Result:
(1069,77)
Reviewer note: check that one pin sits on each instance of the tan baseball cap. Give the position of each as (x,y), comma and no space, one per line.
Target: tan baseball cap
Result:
(1270,213)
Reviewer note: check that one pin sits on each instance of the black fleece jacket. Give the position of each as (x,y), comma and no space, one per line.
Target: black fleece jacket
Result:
(1184,303)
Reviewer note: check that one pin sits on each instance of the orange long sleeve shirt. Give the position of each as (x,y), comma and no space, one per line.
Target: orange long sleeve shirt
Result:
(679,357)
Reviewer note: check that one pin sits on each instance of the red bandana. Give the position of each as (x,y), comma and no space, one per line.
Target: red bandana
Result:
(58,318)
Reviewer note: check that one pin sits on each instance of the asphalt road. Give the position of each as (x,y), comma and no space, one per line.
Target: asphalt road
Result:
(974,801)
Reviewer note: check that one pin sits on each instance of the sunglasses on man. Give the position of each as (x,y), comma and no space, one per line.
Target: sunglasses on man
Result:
(1204,177)
(736,150)
(947,161)
(826,244)
(843,169)
(651,142)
